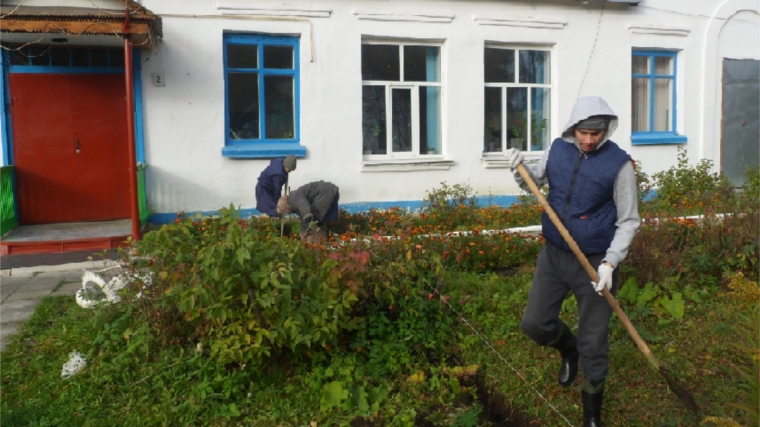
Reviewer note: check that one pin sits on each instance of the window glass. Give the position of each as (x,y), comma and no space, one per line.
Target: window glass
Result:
(380,62)
(534,66)
(99,58)
(278,57)
(401,126)
(242,56)
(663,65)
(60,57)
(278,98)
(40,55)
(640,65)
(422,64)
(499,65)
(19,57)
(117,58)
(373,120)
(492,137)
(539,118)
(517,111)
(640,108)
(430,120)
(663,100)
(80,58)
(243,104)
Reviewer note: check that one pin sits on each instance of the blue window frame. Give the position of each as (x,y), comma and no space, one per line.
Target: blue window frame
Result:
(262,96)
(654,98)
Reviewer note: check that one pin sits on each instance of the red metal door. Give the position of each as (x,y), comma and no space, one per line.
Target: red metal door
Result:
(70,147)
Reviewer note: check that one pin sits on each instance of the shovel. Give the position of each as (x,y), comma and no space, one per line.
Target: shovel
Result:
(282,221)
(686,398)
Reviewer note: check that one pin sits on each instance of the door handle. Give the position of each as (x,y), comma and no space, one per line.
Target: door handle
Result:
(76,145)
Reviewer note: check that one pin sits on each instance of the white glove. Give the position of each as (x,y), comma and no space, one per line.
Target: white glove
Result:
(605,277)
(514,158)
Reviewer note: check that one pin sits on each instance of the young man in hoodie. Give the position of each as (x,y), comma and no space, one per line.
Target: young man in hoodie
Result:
(313,202)
(270,183)
(592,188)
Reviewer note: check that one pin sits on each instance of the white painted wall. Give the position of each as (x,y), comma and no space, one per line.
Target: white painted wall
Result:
(184,121)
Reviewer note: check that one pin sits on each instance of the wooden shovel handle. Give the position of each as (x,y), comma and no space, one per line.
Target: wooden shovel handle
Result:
(589,269)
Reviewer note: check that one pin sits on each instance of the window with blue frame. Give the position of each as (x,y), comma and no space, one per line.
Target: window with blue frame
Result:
(517,99)
(261,80)
(654,98)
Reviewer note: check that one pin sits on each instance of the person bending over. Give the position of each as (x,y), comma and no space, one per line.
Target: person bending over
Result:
(315,202)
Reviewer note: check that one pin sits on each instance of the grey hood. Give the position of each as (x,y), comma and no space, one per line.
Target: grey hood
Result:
(584,108)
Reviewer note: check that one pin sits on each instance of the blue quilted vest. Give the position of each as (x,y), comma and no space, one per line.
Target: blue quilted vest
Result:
(581,190)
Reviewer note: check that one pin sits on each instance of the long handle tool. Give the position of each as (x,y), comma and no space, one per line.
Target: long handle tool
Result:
(683,395)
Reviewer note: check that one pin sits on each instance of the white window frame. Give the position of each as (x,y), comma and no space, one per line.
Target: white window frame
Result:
(551,86)
(414,87)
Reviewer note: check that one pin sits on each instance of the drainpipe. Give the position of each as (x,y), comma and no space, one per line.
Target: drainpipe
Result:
(131,130)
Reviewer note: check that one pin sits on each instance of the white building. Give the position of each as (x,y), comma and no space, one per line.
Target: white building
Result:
(386,99)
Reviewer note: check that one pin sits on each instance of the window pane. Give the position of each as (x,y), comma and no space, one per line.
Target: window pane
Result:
(430,120)
(242,56)
(243,98)
(422,64)
(517,111)
(534,66)
(80,58)
(380,62)
(60,57)
(640,107)
(663,65)
(40,55)
(19,57)
(373,120)
(499,65)
(663,101)
(640,65)
(278,94)
(492,136)
(117,58)
(539,118)
(280,57)
(401,126)
(99,58)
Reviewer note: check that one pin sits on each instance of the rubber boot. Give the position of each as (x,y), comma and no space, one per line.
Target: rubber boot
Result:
(592,404)
(566,344)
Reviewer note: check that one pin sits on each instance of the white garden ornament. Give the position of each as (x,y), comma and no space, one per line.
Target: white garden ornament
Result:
(95,290)
(75,364)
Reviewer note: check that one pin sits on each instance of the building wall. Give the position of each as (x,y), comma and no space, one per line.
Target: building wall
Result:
(184,120)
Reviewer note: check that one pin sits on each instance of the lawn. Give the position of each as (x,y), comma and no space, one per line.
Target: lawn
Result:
(398,321)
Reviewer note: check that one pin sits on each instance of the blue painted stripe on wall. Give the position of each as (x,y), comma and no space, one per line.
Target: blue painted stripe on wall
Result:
(411,205)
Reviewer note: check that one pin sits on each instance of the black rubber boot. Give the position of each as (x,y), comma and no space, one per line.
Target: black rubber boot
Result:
(592,405)
(566,344)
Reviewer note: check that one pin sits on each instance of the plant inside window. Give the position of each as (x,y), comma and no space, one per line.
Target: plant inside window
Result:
(401,100)
(517,93)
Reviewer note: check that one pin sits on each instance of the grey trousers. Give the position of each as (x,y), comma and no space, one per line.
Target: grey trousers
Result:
(557,273)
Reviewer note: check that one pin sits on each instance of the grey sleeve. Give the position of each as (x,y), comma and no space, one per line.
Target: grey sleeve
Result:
(537,172)
(628,221)
(300,203)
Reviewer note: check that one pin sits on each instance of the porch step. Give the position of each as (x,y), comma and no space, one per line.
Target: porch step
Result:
(52,246)
(65,237)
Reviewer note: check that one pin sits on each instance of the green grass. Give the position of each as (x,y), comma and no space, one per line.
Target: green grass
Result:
(147,384)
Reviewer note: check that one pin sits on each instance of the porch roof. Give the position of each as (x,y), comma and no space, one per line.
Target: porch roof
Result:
(82,26)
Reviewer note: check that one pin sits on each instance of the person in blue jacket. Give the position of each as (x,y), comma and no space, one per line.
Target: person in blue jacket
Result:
(592,188)
(270,184)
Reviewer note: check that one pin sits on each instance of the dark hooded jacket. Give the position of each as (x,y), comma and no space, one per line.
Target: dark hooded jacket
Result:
(269,187)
